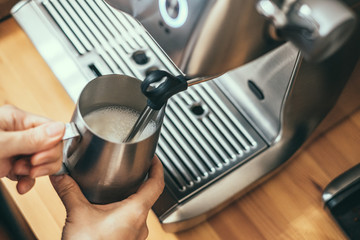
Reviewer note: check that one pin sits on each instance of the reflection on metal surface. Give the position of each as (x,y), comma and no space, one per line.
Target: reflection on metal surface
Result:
(341,182)
(218,36)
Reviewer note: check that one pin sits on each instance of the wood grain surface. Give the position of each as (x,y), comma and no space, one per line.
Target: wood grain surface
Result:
(287,206)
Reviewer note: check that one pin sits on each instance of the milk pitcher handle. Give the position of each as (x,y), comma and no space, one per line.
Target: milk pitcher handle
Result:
(71,131)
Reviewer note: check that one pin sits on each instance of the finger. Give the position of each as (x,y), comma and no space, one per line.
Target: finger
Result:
(156,169)
(32,140)
(6,166)
(22,167)
(53,154)
(16,119)
(25,184)
(144,232)
(32,120)
(12,176)
(151,189)
(68,191)
(45,169)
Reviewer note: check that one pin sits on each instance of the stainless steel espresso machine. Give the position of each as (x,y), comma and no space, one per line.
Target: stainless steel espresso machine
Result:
(277,69)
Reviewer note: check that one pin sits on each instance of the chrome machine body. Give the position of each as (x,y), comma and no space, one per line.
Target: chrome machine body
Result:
(219,138)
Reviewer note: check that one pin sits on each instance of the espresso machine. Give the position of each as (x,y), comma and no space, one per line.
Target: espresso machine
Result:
(276,67)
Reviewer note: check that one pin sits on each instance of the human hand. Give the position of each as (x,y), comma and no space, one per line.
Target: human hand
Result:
(120,220)
(31,146)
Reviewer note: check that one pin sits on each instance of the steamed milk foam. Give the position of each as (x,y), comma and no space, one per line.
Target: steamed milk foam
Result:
(114,123)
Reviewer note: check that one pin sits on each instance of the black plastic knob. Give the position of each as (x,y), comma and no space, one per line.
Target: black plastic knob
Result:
(140,57)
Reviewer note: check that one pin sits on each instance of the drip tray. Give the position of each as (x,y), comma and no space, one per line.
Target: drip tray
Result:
(203,137)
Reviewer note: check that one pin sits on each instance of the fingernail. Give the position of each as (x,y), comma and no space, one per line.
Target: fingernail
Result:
(54,129)
(56,178)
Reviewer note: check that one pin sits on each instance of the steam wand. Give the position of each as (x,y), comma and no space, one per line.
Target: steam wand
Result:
(158,96)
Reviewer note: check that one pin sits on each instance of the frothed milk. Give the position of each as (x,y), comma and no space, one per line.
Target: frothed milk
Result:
(114,123)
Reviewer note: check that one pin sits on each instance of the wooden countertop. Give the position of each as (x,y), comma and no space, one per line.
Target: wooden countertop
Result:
(288,206)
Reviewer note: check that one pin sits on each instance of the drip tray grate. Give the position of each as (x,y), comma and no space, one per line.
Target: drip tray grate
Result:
(198,146)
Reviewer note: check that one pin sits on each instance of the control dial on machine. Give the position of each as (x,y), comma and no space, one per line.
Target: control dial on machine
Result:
(174,12)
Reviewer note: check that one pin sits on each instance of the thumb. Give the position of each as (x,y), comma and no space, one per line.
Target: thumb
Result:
(68,191)
(33,140)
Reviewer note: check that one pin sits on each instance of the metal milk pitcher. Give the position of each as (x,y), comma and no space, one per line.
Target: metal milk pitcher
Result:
(107,170)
